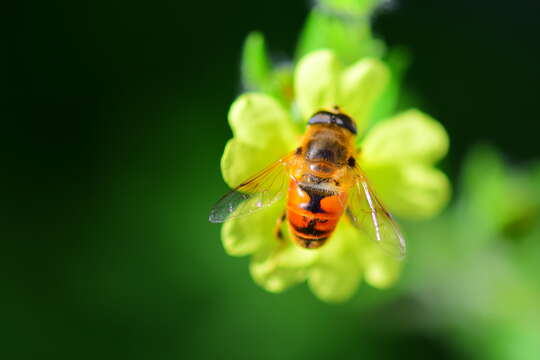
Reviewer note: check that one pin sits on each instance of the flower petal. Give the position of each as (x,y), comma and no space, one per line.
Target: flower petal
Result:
(335,276)
(259,120)
(246,235)
(361,85)
(240,161)
(381,270)
(276,268)
(411,190)
(409,136)
(263,133)
(316,82)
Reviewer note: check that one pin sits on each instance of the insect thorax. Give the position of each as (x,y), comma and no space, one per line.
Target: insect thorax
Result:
(327,143)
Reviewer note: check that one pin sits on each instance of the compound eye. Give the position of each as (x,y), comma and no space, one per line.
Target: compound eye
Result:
(320,118)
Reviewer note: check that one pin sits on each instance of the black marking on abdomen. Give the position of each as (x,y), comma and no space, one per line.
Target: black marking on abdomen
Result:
(314,204)
(310,229)
(308,241)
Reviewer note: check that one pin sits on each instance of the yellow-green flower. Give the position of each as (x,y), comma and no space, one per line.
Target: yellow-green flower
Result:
(397,155)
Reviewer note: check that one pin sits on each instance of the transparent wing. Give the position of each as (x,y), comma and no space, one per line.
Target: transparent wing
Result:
(367,213)
(258,192)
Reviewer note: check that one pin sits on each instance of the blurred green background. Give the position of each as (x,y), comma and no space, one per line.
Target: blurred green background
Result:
(111,162)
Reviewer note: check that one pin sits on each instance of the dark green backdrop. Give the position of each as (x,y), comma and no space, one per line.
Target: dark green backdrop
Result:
(112,147)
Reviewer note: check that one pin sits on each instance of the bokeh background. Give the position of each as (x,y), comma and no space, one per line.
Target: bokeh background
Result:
(111,162)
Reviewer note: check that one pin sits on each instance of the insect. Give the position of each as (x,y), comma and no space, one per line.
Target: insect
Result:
(323,184)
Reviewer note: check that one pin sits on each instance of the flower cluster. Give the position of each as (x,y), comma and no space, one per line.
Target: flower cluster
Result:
(397,155)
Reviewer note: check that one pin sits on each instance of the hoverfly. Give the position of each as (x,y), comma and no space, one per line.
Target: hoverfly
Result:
(323,183)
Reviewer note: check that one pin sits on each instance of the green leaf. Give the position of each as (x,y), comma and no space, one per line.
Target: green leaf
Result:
(485,185)
(316,82)
(349,7)
(256,66)
(349,38)
(499,197)
(486,191)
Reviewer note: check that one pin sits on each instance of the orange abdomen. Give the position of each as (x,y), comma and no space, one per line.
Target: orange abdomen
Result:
(313,215)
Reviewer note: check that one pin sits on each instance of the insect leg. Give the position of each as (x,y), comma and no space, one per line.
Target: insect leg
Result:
(281,241)
(278,232)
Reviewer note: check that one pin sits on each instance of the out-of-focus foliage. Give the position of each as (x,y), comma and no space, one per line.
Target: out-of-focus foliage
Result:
(259,74)
(255,63)
(343,26)
(477,265)
(110,164)
(502,200)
